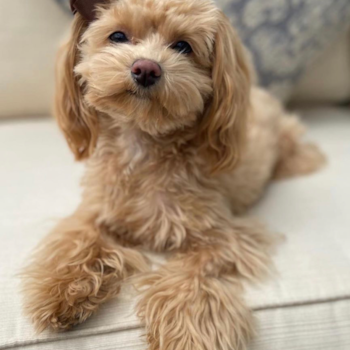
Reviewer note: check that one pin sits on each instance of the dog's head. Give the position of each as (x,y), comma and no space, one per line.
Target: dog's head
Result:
(159,66)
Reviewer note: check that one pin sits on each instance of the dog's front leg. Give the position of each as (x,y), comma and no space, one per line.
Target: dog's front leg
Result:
(75,269)
(194,302)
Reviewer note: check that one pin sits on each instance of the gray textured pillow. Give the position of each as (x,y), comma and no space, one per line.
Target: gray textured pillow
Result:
(284,36)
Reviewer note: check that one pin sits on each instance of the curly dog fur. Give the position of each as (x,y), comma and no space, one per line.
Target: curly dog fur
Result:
(169,169)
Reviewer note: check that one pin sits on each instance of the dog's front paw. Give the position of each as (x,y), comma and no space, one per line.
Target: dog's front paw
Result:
(73,273)
(184,311)
(59,294)
(63,300)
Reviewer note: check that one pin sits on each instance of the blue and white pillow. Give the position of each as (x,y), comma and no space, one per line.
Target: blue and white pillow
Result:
(284,36)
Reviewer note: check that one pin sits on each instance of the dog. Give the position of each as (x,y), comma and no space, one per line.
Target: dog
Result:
(156,96)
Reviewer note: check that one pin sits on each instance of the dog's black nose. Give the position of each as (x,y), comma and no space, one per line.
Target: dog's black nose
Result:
(146,72)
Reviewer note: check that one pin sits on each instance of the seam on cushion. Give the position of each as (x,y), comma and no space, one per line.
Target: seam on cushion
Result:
(17,345)
(134,327)
(302,303)
(17,118)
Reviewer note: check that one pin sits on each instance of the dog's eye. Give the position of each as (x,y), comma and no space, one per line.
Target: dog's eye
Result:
(182,47)
(118,37)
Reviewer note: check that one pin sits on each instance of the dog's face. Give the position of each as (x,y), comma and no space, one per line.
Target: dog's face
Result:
(148,63)
(160,66)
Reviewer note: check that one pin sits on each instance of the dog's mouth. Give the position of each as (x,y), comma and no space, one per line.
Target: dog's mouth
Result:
(144,95)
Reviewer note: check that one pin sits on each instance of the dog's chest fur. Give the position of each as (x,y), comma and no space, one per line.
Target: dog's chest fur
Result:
(152,193)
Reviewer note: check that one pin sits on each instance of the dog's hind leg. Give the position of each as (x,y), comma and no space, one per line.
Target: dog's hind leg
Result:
(194,302)
(75,269)
(296,157)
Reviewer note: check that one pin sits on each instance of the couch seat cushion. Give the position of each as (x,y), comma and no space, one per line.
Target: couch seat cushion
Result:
(307,306)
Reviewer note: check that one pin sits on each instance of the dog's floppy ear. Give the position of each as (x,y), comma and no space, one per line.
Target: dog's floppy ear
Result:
(78,121)
(223,127)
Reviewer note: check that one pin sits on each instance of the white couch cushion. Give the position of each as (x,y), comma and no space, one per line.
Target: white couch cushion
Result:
(306,307)
(29,35)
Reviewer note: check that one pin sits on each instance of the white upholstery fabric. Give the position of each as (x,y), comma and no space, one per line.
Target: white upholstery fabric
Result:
(30,31)
(305,307)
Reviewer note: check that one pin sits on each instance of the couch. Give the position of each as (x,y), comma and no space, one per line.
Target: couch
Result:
(305,306)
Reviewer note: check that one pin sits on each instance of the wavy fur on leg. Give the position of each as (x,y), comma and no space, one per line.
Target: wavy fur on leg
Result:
(185,311)
(73,272)
(195,300)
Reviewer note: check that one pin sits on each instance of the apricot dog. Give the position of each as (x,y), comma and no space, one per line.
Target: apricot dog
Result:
(156,96)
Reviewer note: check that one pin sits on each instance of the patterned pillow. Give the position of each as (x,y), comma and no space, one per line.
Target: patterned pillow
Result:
(284,36)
